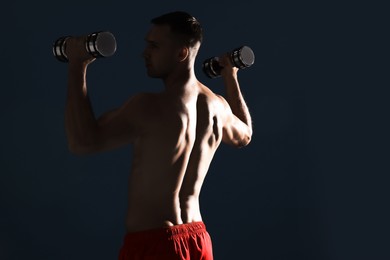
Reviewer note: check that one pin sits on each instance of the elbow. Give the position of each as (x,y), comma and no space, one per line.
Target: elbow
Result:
(245,139)
(238,139)
(244,142)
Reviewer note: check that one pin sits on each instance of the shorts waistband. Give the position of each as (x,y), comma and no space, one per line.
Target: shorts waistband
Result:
(182,229)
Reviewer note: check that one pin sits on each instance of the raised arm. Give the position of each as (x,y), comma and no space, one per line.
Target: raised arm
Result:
(85,133)
(237,128)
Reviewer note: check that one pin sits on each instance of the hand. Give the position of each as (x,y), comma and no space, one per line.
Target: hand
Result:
(76,50)
(227,67)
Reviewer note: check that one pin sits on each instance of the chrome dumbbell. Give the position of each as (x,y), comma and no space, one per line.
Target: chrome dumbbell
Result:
(99,44)
(241,57)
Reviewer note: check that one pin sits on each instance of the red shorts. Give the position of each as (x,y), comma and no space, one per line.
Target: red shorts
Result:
(181,242)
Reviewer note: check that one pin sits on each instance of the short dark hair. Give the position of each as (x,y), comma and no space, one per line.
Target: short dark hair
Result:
(182,24)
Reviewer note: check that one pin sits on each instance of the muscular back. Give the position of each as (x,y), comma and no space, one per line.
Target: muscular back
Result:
(174,134)
(178,137)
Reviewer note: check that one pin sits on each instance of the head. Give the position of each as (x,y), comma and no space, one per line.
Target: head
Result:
(172,42)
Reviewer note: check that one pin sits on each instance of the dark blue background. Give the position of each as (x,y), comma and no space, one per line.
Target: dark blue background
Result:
(313,183)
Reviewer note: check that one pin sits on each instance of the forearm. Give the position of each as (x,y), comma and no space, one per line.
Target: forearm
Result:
(236,100)
(80,121)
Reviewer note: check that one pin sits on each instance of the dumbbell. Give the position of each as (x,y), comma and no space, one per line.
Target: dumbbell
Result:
(241,58)
(99,44)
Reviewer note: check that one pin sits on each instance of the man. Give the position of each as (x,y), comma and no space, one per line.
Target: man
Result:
(175,134)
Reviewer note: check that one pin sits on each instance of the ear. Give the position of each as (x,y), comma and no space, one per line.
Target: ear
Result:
(184,53)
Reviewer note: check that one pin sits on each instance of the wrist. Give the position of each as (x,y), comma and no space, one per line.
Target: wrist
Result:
(77,65)
(230,74)
(230,79)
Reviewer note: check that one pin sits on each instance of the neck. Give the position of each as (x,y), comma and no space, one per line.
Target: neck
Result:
(181,81)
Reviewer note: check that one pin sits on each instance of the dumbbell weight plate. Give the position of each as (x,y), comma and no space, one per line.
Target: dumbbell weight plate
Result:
(59,49)
(101,44)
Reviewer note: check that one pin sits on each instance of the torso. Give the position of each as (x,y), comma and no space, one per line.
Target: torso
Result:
(177,141)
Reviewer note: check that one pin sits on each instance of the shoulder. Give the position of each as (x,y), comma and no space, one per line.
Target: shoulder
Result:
(222,103)
(141,100)
(217,101)
(146,105)
(209,95)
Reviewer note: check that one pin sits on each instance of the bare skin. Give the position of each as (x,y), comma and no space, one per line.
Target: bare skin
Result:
(175,133)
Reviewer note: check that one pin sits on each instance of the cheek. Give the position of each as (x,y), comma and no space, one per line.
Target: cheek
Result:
(164,58)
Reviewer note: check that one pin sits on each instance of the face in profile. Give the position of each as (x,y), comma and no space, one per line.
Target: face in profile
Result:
(160,53)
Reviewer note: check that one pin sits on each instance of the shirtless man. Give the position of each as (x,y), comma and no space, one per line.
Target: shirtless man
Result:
(175,134)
